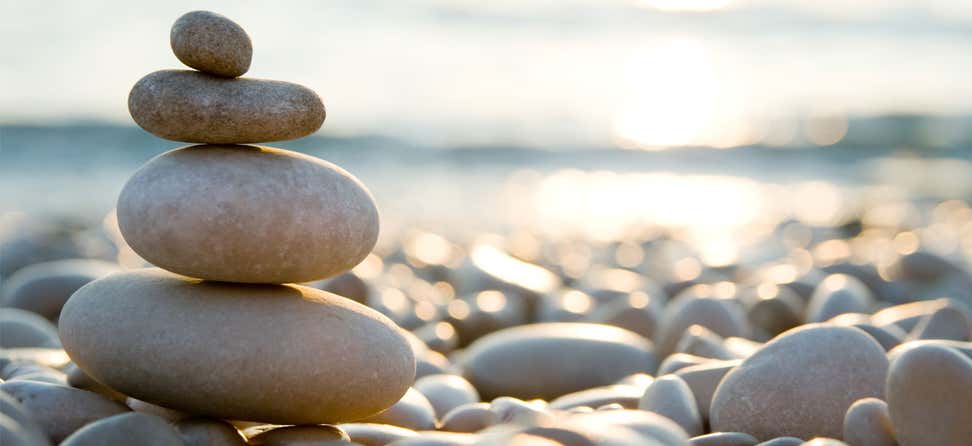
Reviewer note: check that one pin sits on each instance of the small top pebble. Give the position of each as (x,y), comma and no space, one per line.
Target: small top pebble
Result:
(211,43)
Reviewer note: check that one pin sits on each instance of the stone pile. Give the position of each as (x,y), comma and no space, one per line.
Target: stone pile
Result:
(215,332)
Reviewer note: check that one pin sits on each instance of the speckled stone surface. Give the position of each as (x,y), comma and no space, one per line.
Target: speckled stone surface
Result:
(929,395)
(212,43)
(800,384)
(554,359)
(247,214)
(282,354)
(196,107)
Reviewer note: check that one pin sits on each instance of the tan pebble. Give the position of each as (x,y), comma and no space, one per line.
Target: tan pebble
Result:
(165,413)
(671,397)
(211,43)
(412,411)
(553,359)
(837,294)
(677,361)
(154,344)
(195,107)
(949,323)
(77,378)
(517,439)
(320,435)
(867,423)
(929,395)
(370,434)
(800,383)
(432,438)
(724,439)
(147,430)
(468,418)
(696,306)
(21,328)
(703,379)
(446,392)
(700,341)
(508,410)
(221,213)
(209,432)
(624,395)
(61,410)
(43,288)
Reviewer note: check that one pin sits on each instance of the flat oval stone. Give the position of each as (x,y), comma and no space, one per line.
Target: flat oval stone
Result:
(61,410)
(722,316)
(647,424)
(867,423)
(800,383)
(704,379)
(300,436)
(671,397)
(838,294)
(468,418)
(929,395)
(19,423)
(724,439)
(216,349)
(212,43)
(627,396)
(190,106)
(554,359)
(209,432)
(370,434)
(247,214)
(21,328)
(446,392)
(43,288)
(412,411)
(150,430)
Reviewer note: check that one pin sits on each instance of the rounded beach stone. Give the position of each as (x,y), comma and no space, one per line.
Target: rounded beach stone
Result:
(123,429)
(703,379)
(700,341)
(78,379)
(190,106)
(637,312)
(247,214)
(43,288)
(61,410)
(321,435)
(509,410)
(724,439)
(209,432)
(677,361)
(19,423)
(906,316)
(838,294)
(626,396)
(212,43)
(21,328)
(412,411)
(434,438)
(370,434)
(669,396)
(216,349)
(554,359)
(782,441)
(929,395)
(646,424)
(945,323)
(446,392)
(867,423)
(800,383)
(468,418)
(775,309)
(348,285)
(722,316)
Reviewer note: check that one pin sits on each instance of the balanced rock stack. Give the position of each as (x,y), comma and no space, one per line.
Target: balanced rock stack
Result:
(215,332)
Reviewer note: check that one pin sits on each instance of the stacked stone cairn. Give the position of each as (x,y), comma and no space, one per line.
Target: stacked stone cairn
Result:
(220,329)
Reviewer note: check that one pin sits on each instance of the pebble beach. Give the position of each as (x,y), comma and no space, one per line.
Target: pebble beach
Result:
(240,293)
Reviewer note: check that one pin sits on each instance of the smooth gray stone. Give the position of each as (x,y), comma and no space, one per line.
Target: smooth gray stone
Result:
(61,410)
(43,288)
(196,107)
(209,432)
(868,423)
(247,214)
(126,429)
(212,43)
(671,397)
(21,328)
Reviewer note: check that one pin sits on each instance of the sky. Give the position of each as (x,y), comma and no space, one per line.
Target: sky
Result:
(645,74)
